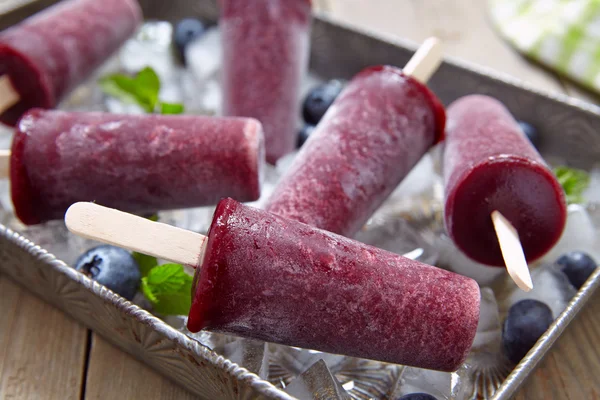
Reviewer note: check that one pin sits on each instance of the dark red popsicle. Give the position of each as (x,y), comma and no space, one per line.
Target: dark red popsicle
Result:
(52,52)
(489,164)
(278,280)
(379,127)
(265,57)
(135,163)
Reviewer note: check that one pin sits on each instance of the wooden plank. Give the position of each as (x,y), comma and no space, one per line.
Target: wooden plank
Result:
(42,351)
(114,374)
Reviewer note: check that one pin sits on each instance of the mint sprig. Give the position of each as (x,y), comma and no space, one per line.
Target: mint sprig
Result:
(141,89)
(169,289)
(574,182)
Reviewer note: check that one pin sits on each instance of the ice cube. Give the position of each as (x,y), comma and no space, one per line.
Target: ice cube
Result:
(416,380)
(592,193)
(486,367)
(398,236)
(204,55)
(317,383)
(419,180)
(250,354)
(194,219)
(580,234)
(489,330)
(211,97)
(450,257)
(151,47)
(550,286)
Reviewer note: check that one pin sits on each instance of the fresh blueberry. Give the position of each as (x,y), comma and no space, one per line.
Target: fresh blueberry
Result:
(185,32)
(526,321)
(319,99)
(417,396)
(304,134)
(112,267)
(578,266)
(531,132)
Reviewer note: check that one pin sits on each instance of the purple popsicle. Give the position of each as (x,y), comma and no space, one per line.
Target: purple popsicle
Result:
(136,163)
(265,56)
(489,164)
(53,51)
(368,141)
(278,280)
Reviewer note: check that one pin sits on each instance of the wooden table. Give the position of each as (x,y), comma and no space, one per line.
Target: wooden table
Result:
(46,355)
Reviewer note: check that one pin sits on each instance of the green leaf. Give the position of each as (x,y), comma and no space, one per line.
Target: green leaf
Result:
(169,289)
(141,89)
(171,108)
(574,182)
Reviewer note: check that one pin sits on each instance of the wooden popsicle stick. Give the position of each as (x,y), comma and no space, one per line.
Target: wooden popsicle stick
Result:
(4,164)
(135,233)
(8,95)
(512,251)
(425,61)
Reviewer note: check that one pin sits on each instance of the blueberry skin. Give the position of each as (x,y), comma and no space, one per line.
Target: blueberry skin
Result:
(526,321)
(185,32)
(417,396)
(304,134)
(319,99)
(531,132)
(578,266)
(112,267)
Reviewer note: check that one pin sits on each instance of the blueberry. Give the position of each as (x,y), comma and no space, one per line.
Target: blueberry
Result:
(531,132)
(578,266)
(417,396)
(185,32)
(319,99)
(112,267)
(304,134)
(526,321)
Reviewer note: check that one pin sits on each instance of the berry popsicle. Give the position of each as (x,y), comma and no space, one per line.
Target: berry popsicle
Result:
(137,163)
(265,56)
(270,278)
(489,165)
(50,53)
(374,133)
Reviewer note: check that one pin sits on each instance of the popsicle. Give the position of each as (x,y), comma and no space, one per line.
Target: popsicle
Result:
(265,56)
(491,169)
(266,277)
(137,163)
(377,129)
(48,54)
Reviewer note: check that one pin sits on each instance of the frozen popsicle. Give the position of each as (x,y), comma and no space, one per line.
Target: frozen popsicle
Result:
(265,56)
(377,129)
(48,54)
(491,169)
(137,163)
(270,278)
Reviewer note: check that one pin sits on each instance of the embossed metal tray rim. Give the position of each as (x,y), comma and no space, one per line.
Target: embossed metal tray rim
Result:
(333,53)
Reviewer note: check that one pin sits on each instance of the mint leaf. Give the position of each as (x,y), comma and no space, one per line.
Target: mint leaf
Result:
(141,89)
(169,289)
(171,108)
(574,182)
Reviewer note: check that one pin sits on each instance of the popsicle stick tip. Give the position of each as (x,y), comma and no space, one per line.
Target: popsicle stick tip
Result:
(118,228)
(4,164)
(426,60)
(8,94)
(512,251)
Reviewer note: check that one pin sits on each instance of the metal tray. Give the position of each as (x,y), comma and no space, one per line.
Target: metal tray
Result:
(571,131)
